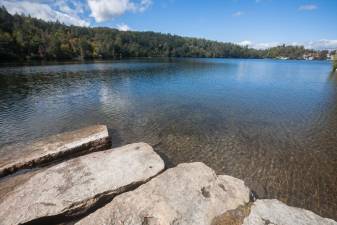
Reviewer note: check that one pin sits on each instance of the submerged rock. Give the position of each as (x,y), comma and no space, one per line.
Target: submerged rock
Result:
(187,194)
(190,193)
(89,139)
(72,187)
(233,217)
(274,212)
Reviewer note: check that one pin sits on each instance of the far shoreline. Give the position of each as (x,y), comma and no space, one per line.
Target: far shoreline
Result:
(39,62)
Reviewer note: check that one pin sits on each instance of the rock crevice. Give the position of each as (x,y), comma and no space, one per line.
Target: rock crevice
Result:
(129,186)
(190,193)
(74,186)
(53,148)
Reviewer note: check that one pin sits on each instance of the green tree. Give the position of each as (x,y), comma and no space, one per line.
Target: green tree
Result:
(7,46)
(25,38)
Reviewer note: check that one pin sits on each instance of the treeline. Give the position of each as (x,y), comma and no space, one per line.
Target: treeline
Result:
(294,52)
(24,38)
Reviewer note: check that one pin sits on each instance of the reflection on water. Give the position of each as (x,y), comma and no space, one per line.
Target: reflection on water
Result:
(271,123)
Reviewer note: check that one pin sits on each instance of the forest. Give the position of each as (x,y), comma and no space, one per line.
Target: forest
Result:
(27,38)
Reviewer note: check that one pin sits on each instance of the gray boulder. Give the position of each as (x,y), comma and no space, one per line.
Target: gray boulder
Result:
(274,212)
(187,194)
(89,139)
(74,186)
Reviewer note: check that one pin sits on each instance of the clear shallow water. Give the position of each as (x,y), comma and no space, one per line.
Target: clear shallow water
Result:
(271,123)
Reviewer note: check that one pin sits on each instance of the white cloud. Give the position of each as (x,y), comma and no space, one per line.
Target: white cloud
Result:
(43,10)
(323,44)
(266,45)
(258,45)
(74,7)
(123,27)
(238,13)
(144,4)
(308,7)
(103,10)
(245,43)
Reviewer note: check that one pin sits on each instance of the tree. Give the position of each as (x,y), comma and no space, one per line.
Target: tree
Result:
(25,38)
(85,48)
(7,46)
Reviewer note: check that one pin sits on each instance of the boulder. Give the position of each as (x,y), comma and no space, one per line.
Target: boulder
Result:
(274,212)
(187,194)
(72,187)
(56,147)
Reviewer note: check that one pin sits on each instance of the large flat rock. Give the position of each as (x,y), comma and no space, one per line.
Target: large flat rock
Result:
(187,194)
(72,187)
(89,139)
(274,212)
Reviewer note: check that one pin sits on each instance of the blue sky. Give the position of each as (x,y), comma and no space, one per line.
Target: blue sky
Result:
(257,23)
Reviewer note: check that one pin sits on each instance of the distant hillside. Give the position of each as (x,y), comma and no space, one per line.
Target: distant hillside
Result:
(25,38)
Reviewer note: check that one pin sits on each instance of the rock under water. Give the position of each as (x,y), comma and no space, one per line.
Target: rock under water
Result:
(126,186)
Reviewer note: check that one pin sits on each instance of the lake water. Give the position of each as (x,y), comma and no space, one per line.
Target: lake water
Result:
(270,123)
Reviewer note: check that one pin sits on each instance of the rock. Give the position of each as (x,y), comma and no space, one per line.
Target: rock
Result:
(274,212)
(9,183)
(52,148)
(72,187)
(233,217)
(187,194)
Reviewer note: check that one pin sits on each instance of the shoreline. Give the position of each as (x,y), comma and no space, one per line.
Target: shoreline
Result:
(33,178)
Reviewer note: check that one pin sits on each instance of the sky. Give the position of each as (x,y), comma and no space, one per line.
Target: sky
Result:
(256,23)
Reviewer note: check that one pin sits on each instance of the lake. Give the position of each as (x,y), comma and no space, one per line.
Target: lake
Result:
(271,123)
